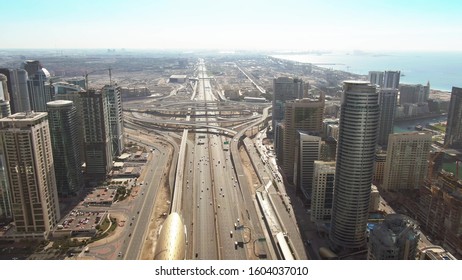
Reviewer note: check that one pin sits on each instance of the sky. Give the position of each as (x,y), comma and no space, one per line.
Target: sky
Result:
(287,25)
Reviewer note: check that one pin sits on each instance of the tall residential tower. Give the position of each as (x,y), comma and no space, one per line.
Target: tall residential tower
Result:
(388,100)
(26,147)
(62,118)
(453,138)
(305,115)
(407,160)
(114,102)
(39,89)
(97,138)
(359,124)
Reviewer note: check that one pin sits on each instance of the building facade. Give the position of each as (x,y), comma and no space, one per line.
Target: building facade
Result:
(388,100)
(284,89)
(407,161)
(6,214)
(323,191)
(391,79)
(62,118)
(413,94)
(307,152)
(71,92)
(359,124)
(39,89)
(376,78)
(17,89)
(453,137)
(440,210)
(379,166)
(97,137)
(26,147)
(115,117)
(304,115)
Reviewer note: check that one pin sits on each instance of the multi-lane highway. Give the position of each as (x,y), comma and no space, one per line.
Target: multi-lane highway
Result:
(212,185)
(212,194)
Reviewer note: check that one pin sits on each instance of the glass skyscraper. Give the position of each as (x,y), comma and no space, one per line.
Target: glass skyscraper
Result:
(453,138)
(359,124)
(62,118)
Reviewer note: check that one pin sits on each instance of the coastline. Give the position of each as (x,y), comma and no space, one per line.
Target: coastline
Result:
(439,68)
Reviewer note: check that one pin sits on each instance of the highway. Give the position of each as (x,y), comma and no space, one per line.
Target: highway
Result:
(212,193)
(214,187)
(137,213)
(140,218)
(205,245)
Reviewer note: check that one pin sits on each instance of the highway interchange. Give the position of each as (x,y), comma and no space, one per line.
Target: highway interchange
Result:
(217,200)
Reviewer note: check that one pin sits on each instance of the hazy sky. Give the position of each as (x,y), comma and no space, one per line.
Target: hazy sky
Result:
(237,24)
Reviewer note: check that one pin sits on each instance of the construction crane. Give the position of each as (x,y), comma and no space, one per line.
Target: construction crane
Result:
(88,73)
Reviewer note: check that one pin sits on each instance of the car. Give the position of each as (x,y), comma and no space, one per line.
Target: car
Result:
(119,254)
(231,234)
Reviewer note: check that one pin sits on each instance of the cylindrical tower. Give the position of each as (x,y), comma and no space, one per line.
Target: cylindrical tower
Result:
(359,123)
(22,99)
(62,118)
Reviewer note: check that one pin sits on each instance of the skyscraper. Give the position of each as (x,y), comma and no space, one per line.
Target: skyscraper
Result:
(323,190)
(376,78)
(359,124)
(453,138)
(308,150)
(406,165)
(304,115)
(62,117)
(387,79)
(388,99)
(17,89)
(97,140)
(413,94)
(114,102)
(440,209)
(391,79)
(285,89)
(39,89)
(66,91)
(26,146)
(396,238)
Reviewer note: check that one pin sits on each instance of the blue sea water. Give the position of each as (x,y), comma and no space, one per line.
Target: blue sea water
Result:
(442,69)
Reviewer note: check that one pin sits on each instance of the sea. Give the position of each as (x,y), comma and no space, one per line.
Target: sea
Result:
(442,69)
